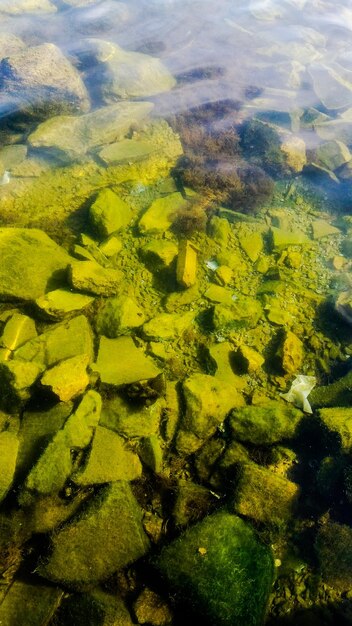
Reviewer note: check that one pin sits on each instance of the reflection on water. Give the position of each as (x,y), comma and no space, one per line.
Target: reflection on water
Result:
(175,312)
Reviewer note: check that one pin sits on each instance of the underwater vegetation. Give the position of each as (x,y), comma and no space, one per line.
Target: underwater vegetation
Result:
(213,161)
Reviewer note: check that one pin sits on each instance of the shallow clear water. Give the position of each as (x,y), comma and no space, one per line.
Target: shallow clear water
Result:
(175,334)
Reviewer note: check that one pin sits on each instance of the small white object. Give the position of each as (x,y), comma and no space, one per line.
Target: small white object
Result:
(299,392)
(212,265)
(5,178)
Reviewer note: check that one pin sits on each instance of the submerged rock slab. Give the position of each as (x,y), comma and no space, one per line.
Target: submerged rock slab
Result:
(332,84)
(31,264)
(41,82)
(106,537)
(69,138)
(62,302)
(220,568)
(109,213)
(90,277)
(32,605)
(120,362)
(8,454)
(265,425)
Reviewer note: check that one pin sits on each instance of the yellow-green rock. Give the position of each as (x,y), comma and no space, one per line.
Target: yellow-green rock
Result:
(69,378)
(291,353)
(223,274)
(109,459)
(120,362)
(118,315)
(251,243)
(219,294)
(186,268)
(8,454)
(18,329)
(125,151)
(159,216)
(111,246)
(90,277)
(321,229)
(107,536)
(159,252)
(338,421)
(243,313)
(250,359)
(283,238)
(109,213)
(151,453)
(264,496)
(168,325)
(30,604)
(265,425)
(16,377)
(208,401)
(62,302)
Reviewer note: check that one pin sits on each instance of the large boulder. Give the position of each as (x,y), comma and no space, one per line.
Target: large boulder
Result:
(106,537)
(41,82)
(221,570)
(31,264)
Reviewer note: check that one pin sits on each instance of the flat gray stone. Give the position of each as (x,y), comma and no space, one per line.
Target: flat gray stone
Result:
(120,362)
(126,150)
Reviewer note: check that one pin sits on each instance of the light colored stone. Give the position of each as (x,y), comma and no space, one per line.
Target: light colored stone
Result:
(69,378)
(90,277)
(127,150)
(120,362)
(8,454)
(109,213)
(186,268)
(61,302)
(158,217)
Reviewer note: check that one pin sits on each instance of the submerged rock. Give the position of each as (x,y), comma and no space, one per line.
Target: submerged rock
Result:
(125,74)
(332,84)
(109,213)
(264,496)
(62,135)
(103,539)
(29,604)
(62,302)
(159,216)
(17,7)
(333,547)
(90,277)
(109,460)
(41,82)
(125,151)
(208,401)
(118,316)
(31,264)
(8,455)
(120,362)
(69,378)
(221,570)
(265,425)
(186,268)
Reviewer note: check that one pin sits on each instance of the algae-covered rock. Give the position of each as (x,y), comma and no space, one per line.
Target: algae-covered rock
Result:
(244,312)
(120,362)
(36,431)
(290,353)
(150,608)
(251,242)
(18,329)
(31,263)
(30,605)
(343,305)
(109,213)
(338,421)
(283,238)
(264,496)
(8,454)
(186,268)
(249,359)
(125,151)
(96,608)
(131,420)
(109,460)
(62,341)
(62,135)
(336,394)
(55,465)
(106,537)
(333,548)
(332,154)
(69,378)
(60,303)
(221,355)
(168,325)
(321,229)
(118,316)
(151,453)
(208,401)
(159,253)
(16,378)
(265,425)
(41,82)
(221,570)
(159,216)
(90,277)
(192,503)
